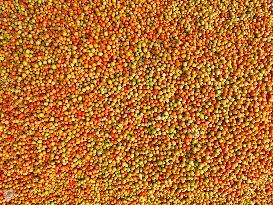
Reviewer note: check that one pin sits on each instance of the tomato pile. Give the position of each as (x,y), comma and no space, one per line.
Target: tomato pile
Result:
(136,102)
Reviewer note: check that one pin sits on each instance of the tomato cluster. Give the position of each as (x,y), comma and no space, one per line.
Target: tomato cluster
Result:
(136,102)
